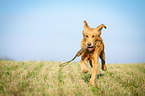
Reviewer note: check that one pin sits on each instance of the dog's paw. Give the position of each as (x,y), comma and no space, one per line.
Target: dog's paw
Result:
(92,82)
(104,68)
(84,70)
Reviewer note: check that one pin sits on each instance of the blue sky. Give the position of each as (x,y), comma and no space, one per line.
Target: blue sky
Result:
(52,30)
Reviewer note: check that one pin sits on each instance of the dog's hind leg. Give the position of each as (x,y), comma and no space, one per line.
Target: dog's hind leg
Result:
(102,57)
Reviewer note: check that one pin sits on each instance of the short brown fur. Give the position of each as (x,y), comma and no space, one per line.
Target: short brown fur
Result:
(91,38)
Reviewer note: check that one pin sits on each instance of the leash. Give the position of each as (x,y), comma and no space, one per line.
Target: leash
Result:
(65,63)
(77,55)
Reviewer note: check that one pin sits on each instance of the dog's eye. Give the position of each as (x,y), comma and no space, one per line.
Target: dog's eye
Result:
(86,35)
(93,36)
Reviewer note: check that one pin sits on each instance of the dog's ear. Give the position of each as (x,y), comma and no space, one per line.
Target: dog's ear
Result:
(86,25)
(99,28)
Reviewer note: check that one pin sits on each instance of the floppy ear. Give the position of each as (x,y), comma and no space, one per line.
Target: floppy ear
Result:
(99,28)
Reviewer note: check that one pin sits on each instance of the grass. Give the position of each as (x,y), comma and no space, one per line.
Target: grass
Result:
(38,78)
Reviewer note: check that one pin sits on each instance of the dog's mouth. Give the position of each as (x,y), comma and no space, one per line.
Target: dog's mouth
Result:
(90,48)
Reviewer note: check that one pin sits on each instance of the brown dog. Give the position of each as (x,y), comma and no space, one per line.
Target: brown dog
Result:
(91,38)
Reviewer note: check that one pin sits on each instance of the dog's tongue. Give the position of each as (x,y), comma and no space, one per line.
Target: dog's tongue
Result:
(90,48)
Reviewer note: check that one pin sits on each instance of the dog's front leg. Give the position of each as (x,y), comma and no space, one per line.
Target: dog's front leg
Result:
(94,72)
(83,66)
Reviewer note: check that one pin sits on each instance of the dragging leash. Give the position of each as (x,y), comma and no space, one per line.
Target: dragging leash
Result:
(65,63)
(77,55)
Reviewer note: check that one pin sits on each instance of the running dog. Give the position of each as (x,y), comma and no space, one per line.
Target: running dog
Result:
(95,49)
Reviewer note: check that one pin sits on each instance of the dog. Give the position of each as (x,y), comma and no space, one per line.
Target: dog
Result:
(95,49)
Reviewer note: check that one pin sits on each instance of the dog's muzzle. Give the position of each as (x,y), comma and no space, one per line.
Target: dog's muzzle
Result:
(90,48)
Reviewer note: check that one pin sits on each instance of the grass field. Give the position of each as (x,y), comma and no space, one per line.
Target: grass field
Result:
(37,78)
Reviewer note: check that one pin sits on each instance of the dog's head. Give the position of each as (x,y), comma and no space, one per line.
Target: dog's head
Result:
(91,35)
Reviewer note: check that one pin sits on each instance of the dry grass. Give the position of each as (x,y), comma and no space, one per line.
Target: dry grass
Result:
(48,79)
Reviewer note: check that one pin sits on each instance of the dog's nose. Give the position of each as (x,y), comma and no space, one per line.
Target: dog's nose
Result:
(89,44)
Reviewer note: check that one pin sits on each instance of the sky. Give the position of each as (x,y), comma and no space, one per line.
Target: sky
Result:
(51,30)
